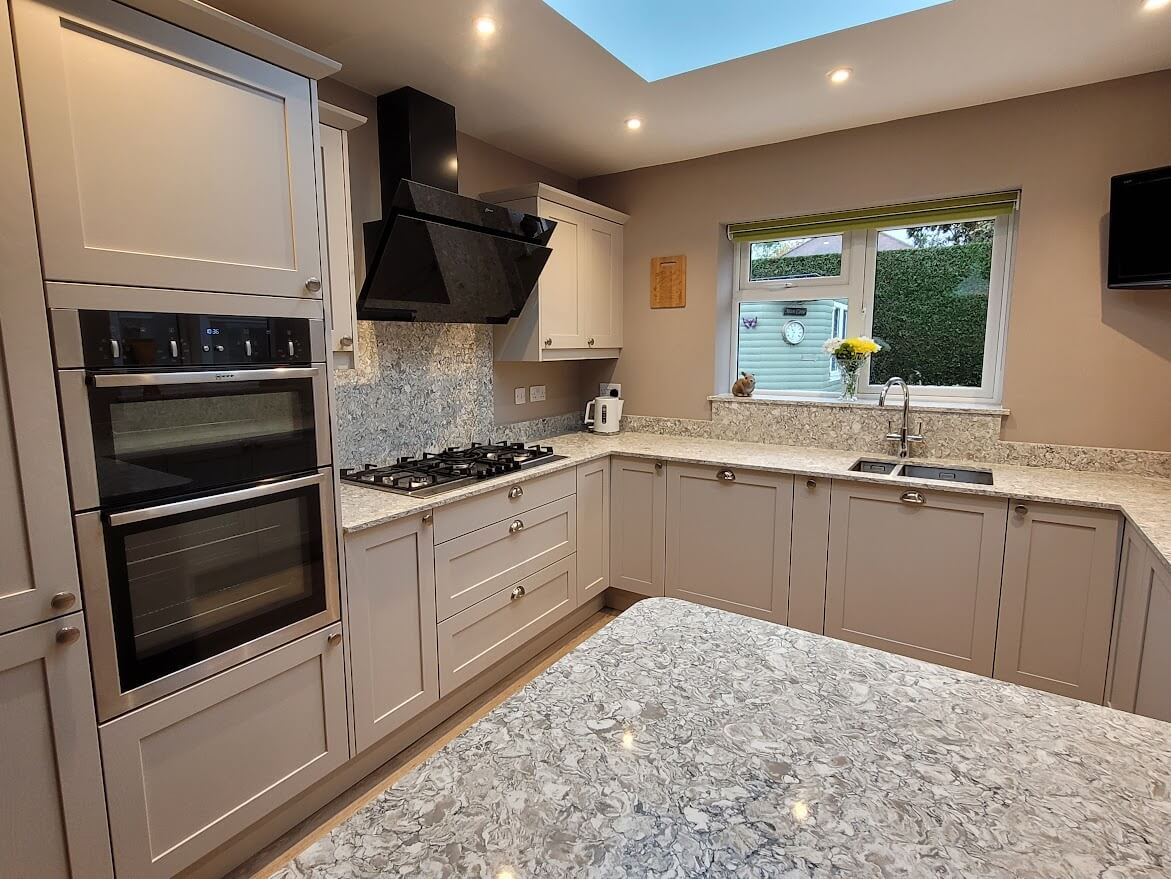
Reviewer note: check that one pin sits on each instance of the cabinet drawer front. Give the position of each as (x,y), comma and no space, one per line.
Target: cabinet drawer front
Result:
(922,580)
(220,195)
(195,768)
(486,509)
(474,639)
(476,565)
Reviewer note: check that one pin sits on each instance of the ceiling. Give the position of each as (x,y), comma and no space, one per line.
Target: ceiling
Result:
(543,89)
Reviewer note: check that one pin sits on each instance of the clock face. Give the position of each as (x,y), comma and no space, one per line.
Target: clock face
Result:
(794,332)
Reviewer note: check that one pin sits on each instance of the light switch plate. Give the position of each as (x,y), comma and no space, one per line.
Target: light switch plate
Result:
(518,396)
(536,393)
(605,387)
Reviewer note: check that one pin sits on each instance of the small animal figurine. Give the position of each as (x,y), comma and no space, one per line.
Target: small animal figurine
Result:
(745,385)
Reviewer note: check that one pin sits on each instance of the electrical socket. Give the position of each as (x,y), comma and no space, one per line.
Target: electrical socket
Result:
(518,396)
(536,393)
(604,389)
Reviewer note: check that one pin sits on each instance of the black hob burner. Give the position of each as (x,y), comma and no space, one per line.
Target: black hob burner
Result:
(436,472)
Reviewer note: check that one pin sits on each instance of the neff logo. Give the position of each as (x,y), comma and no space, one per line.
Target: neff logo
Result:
(224,376)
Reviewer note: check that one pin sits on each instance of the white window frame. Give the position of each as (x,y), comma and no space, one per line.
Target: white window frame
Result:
(856,286)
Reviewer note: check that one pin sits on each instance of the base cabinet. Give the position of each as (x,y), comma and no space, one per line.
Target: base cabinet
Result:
(593,529)
(638,549)
(809,558)
(187,773)
(916,572)
(1140,672)
(390,589)
(52,810)
(1057,599)
(728,538)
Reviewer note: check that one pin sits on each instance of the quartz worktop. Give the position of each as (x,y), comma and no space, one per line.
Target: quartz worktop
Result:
(1145,501)
(685,741)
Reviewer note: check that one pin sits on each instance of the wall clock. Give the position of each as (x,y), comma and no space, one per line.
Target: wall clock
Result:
(793,331)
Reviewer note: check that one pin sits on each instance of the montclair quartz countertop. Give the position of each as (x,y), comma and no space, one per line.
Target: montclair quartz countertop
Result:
(685,742)
(1146,502)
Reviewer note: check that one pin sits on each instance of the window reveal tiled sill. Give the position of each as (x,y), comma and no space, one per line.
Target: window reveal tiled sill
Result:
(917,405)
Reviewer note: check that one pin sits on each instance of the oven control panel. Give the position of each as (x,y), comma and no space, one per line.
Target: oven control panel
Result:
(150,340)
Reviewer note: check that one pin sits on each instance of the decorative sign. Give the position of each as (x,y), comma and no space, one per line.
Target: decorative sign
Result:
(669,282)
(795,311)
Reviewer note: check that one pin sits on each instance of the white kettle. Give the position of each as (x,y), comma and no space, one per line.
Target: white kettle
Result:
(604,415)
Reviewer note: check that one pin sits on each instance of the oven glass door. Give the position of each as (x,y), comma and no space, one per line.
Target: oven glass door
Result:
(194,579)
(161,435)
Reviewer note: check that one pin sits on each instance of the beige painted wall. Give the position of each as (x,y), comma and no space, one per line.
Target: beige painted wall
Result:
(482,168)
(1109,383)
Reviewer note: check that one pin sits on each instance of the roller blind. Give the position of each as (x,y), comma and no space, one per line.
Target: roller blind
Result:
(943,210)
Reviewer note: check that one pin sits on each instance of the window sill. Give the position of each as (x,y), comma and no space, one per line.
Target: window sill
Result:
(918,405)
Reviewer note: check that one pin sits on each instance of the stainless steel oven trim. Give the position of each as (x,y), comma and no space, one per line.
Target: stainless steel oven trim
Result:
(162,511)
(79,438)
(95,584)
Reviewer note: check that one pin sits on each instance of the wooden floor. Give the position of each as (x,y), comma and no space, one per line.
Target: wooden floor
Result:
(317,825)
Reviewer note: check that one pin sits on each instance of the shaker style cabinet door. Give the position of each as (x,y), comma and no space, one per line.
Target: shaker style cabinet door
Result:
(728,536)
(561,288)
(638,546)
(1057,600)
(915,572)
(390,590)
(163,159)
(593,529)
(600,306)
(53,808)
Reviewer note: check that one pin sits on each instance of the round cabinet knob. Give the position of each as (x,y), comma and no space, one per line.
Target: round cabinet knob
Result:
(62,601)
(590,342)
(1021,510)
(334,639)
(726,475)
(548,342)
(427,518)
(516,526)
(517,592)
(515,492)
(313,284)
(913,497)
(811,484)
(658,465)
(346,342)
(68,635)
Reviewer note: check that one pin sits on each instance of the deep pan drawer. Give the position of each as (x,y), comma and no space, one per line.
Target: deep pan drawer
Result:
(509,501)
(476,638)
(476,565)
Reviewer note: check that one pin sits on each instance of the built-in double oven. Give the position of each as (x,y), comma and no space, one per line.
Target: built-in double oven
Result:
(199,463)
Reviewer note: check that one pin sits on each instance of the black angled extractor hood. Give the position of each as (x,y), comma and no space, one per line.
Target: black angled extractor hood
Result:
(435,255)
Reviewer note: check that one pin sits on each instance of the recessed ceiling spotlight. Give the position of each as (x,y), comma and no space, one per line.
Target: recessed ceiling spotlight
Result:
(841,74)
(485,25)
(634,123)
(1152,5)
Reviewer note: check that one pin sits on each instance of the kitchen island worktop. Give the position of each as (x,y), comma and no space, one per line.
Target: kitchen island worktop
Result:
(685,741)
(1145,501)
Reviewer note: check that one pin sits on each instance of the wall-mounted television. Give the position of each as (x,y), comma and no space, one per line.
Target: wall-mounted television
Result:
(1140,230)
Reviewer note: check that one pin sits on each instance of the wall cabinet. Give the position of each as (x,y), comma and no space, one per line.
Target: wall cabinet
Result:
(575,312)
(53,811)
(809,559)
(1057,599)
(593,529)
(164,159)
(916,572)
(728,538)
(187,773)
(390,591)
(638,526)
(1140,670)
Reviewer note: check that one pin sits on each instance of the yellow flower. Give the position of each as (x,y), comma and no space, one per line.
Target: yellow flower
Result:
(863,345)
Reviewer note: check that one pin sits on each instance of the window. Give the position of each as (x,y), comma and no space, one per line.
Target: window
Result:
(929,282)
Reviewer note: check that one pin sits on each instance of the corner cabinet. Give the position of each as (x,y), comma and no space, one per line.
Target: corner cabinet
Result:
(638,526)
(1057,599)
(575,312)
(163,159)
(1140,667)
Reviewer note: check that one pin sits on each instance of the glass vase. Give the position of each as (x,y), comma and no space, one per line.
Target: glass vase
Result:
(849,370)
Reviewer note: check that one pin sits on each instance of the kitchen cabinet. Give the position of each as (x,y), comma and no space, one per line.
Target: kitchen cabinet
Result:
(728,537)
(809,559)
(575,312)
(53,811)
(187,773)
(638,527)
(163,159)
(915,572)
(38,571)
(1057,599)
(1140,668)
(593,529)
(390,592)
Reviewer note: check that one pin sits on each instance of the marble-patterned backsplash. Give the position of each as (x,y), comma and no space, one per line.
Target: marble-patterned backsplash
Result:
(950,434)
(420,387)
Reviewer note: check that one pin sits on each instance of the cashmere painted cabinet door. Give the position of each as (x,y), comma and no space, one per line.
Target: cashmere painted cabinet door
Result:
(638,550)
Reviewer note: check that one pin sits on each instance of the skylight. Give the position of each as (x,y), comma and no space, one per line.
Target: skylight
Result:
(661,38)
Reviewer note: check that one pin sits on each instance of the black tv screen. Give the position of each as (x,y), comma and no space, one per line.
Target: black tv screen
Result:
(1140,230)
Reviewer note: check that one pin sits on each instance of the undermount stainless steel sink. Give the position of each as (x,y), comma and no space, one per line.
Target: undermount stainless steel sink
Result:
(946,474)
(882,468)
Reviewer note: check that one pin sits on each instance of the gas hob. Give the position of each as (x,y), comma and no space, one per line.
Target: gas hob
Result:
(436,472)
